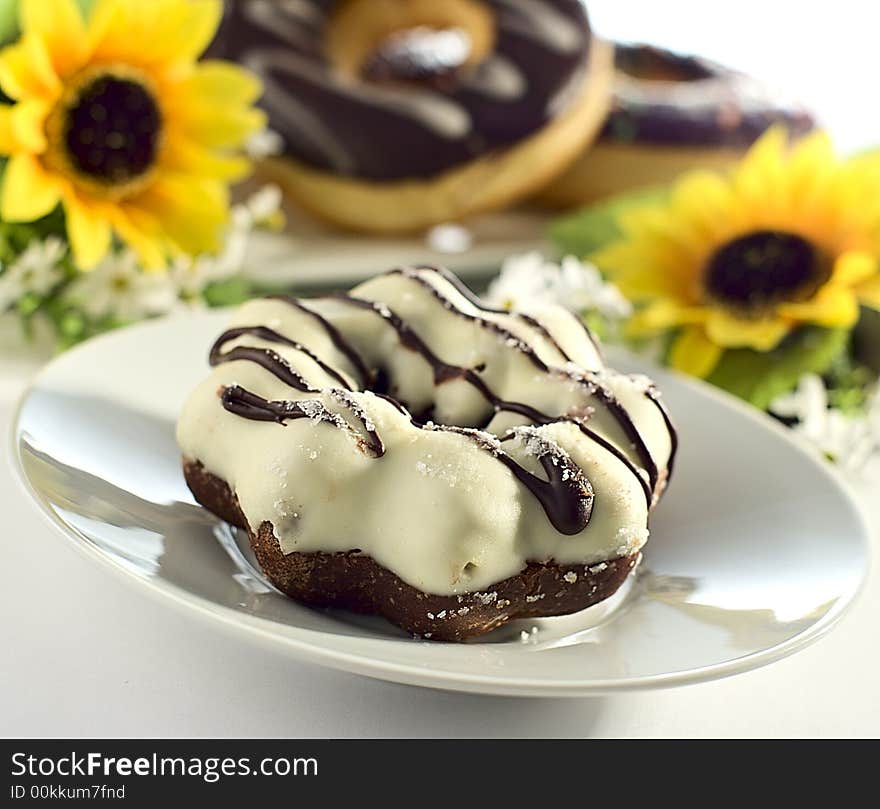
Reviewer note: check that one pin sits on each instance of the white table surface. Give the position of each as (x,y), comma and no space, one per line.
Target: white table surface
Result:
(84,654)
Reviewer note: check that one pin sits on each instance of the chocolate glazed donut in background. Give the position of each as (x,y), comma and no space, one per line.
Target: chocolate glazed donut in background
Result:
(671,112)
(400,114)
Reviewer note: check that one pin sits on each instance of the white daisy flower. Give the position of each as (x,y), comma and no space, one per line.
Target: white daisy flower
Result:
(36,270)
(530,280)
(118,287)
(263,205)
(265,143)
(581,287)
(848,440)
(524,280)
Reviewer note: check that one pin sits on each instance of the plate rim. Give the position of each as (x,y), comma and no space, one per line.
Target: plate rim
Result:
(257,629)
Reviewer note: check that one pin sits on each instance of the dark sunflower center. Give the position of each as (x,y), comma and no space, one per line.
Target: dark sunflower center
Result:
(764,268)
(112,130)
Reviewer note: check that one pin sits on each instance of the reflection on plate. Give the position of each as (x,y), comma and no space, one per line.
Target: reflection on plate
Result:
(755,551)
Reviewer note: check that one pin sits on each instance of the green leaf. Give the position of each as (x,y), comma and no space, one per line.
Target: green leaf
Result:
(849,382)
(584,231)
(228,293)
(8,21)
(759,377)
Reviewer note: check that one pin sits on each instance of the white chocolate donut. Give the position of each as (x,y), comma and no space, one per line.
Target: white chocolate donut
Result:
(451,443)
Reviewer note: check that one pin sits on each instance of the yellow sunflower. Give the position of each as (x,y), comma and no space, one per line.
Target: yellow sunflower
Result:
(790,237)
(114,119)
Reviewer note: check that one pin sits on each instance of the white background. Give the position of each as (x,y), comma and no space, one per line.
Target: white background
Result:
(83,654)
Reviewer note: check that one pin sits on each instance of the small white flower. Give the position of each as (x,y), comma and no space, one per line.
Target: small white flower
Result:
(582,287)
(118,287)
(529,280)
(848,440)
(263,205)
(265,143)
(524,280)
(36,270)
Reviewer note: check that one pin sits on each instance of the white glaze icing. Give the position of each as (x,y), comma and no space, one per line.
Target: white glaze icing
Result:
(438,508)
(497,77)
(477,107)
(542,22)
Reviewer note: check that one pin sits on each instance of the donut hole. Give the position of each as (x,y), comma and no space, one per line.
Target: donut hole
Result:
(417,41)
(648,64)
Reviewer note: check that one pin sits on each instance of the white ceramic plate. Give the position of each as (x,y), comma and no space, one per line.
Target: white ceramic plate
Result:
(755,551)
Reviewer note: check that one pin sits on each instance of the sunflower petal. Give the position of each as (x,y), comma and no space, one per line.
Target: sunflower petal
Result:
(222,127)
(185,156)
(8,138)
(213,81)
(159,32)
(188,28)
(26,70)
(662,315)
(731,331)
(694,353)
(190,211)
(106,22)
(832,306)
(29,191)
(869,293)
(764,160)
(88,230)
(27,121)
(143,234)
(60,25)
(811,167)
(854,267)
(704,198)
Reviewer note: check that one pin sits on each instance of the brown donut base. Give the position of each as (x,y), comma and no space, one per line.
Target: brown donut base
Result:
(485,184)
(354,581)
(610,168)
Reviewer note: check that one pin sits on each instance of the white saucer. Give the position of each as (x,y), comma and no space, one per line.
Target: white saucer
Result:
(755,551)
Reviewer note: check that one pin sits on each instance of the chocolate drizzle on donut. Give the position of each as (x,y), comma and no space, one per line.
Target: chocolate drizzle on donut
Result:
(444,372)
(269,359)
(336,337)
(445,118)
(248,405)
(605,396)
(566,495)
(466,293)
(663,97)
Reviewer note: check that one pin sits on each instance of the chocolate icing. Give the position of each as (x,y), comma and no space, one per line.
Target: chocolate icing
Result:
(268,358)
(606,397)
(566,495)
(444,372)
(669,98)
(338,340)
(248,405)
(390,131)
